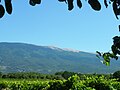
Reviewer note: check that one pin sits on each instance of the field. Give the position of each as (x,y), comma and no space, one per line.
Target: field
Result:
(75,82)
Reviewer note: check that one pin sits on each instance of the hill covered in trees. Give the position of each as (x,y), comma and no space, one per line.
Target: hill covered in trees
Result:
(22,57)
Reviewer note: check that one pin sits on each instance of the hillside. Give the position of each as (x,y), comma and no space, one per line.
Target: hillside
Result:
(21,57)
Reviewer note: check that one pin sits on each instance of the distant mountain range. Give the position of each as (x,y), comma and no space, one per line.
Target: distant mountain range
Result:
(22,57)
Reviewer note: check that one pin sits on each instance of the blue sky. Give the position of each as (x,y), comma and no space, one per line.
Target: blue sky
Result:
(51,24)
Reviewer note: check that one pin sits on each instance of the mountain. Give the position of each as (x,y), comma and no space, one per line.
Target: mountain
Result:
(22,57)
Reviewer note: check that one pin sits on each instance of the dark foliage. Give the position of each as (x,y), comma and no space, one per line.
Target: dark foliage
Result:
(95,4)
(62,1)
(116,75)
(116,7)
(79,3)
(8,6)
(67,74)
(34,2)
(31,75)
(106,4)
(2,11)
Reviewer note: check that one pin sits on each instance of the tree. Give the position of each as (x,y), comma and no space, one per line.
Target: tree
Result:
(116,75)
(96,5)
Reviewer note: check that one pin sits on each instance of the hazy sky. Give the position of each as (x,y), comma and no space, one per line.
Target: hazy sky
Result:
(51,24)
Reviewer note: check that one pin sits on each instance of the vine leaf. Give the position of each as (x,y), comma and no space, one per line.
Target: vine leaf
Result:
(114,49)
(37,1)
(62,1)
(98,53)
(119,28)
(2,11)
(95,4)
(34,2)
(70,5)
(105,3)
(79,3)
(8,6)
(115,9)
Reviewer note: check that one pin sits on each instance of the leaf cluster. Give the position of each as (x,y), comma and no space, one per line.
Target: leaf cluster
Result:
(8,8)
(116,7)
(95,5)
(114,54)
(106,57)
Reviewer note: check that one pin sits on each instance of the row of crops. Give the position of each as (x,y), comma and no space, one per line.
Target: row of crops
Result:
(73,83)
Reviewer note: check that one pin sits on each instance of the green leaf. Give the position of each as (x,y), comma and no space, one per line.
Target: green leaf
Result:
(107,63)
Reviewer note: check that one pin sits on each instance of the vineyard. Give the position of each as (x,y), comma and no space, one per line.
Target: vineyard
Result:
(74,82)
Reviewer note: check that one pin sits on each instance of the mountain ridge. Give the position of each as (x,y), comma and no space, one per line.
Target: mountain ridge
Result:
(24,57)
(50,47)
